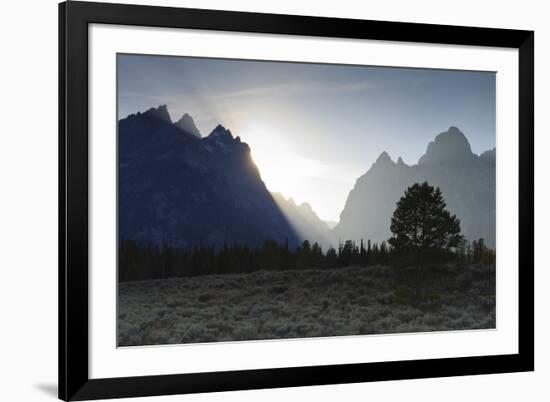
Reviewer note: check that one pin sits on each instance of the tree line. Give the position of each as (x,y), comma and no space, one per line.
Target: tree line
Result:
(139,262)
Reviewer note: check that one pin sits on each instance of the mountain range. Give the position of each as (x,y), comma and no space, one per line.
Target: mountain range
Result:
(176,187)
(467,181)
(304,220)
(179,187)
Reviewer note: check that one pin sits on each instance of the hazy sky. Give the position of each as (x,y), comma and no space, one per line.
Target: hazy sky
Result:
(314,128)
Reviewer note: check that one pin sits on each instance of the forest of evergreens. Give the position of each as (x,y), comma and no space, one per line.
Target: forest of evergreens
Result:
(140,262)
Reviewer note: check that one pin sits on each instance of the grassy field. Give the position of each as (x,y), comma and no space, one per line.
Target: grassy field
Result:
(307,303)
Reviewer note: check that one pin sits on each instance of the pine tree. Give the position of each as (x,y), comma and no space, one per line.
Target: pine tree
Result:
(423,227)
(331,259)
(421,222)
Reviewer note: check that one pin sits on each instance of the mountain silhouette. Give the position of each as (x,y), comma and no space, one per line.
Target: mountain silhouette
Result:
(304,220)
(177,188)
(466,180)
(449,147)
(187,124)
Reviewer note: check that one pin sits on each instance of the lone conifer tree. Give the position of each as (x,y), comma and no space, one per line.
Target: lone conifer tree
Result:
(421,223)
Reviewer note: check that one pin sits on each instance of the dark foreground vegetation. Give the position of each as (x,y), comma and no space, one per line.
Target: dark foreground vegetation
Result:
(306,303)
(138,262)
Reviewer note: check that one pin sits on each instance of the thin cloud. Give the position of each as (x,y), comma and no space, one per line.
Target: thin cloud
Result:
(293,89)
(352,87)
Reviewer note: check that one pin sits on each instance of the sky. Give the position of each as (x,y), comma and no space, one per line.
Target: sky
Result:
(313,129)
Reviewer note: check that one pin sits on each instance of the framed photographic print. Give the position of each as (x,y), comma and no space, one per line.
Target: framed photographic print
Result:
(257,200)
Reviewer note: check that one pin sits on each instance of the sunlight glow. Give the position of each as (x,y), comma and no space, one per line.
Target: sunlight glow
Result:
(284,170)
(281,168)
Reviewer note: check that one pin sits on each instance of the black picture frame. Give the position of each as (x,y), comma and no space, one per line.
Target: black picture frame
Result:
(74,380)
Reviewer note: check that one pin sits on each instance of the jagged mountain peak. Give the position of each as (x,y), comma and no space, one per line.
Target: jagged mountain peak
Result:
(303,219)
(384,159)
(187,124)
(449,146)
(220,132)
(279,198)
(160,112)
(306,206)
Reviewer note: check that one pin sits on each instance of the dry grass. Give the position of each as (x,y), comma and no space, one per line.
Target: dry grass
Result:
(297,304)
